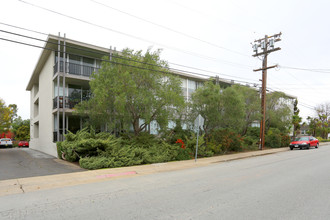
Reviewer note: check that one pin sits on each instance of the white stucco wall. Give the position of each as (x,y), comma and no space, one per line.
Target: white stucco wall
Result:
(44,141)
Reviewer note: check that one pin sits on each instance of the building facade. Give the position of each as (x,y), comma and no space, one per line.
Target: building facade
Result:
(60,80)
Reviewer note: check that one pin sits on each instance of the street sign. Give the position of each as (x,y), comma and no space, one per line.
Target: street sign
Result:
(199,121)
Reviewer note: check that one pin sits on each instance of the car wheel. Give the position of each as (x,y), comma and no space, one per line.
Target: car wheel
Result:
(300,147)
(307,147)
(317,145)
(291,148)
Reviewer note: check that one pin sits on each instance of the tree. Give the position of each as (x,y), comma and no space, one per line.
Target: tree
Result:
(220,108)
(323,113)
(251,100)
(133,89)
(6,116)
(278,113)
(21,128)
(312,124)
(233,110)
(296,120)
(207,101)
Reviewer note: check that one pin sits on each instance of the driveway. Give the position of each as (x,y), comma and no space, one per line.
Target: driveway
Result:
(25,162)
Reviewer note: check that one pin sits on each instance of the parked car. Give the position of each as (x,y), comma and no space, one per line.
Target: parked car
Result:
(6,142)
(23,144)
(304,142)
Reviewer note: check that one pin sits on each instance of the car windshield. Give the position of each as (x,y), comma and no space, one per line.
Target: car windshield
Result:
(302,139)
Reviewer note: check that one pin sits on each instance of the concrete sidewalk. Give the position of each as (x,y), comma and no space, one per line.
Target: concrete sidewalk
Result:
(23,185)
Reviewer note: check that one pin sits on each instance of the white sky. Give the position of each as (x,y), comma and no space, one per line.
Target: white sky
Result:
(231,25)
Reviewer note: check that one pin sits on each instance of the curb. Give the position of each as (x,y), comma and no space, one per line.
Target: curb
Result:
(30,184)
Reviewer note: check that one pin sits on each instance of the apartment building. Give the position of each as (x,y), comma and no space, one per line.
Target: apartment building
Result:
(60,80)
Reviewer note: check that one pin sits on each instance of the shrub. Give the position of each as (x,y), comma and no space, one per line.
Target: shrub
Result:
(253,132)
(323,140)
(250,143)
(203,149)
(285,140)
(273,138)
(103,150)
(222,141)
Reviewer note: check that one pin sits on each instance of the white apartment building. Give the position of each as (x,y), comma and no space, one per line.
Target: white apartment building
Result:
(56,86)
(51,109)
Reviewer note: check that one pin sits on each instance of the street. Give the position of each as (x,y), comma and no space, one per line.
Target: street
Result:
(286,185)
(25,162)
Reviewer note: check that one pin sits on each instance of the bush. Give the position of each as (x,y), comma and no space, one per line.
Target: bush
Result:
(222,141)
(203,150)
(250,143)
(273,138)
(323,140)
(253,132)
(285,140)
(103,150)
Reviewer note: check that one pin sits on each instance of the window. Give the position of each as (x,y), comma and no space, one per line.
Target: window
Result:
(191,87)
(74,65)
(184,87)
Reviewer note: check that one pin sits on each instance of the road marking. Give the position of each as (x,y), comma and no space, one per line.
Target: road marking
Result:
(116,174)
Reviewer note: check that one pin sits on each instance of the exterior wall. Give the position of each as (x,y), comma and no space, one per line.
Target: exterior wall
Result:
(42,121)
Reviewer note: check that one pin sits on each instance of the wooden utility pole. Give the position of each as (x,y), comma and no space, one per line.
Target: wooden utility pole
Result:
(267,46)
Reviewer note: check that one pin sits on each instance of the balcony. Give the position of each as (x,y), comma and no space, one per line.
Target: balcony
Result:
(70,102)
(76,69)
(60,138)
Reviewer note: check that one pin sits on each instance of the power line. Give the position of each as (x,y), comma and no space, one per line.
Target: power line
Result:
(305,69)
(170,29)
(169,69)
(120,57)
(9,25)
(95,51)
(122,33)
(118,63)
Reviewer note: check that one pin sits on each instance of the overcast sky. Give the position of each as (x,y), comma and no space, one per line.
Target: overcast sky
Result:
(213,35)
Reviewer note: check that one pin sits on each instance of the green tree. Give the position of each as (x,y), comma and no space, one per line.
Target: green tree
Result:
(278,112)
(6,116)
(21,128)
(207,101)
(251,101)
(323,113)
(133,93)
(296,120)
(312,124)
(233,110)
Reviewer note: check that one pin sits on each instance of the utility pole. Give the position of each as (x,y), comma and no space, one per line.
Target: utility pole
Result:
(267,46)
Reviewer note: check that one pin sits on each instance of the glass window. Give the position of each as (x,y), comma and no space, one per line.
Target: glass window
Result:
(88,62)
(74,65)
(74,59)
(191,87)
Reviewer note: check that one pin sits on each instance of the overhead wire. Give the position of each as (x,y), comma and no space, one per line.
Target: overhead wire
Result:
(306,69)
(120,57)
(118,63)
(127,35)
(27,44)
(169,29)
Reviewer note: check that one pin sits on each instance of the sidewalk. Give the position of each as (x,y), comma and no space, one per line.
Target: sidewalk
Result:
(23,185)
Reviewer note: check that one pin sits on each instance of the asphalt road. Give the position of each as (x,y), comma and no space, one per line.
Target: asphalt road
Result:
(287,185)
(25,162)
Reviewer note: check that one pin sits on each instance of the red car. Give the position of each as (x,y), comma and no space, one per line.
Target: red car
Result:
(23,144)
(304,142)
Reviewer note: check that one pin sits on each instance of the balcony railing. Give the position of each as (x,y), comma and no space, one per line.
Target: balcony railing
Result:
(70,102)
(60,138)
(76,69)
